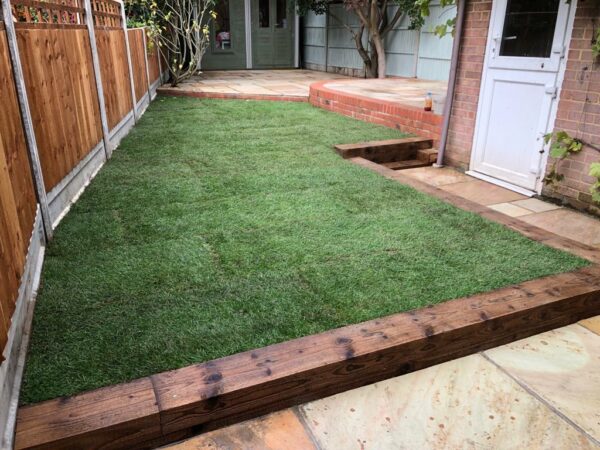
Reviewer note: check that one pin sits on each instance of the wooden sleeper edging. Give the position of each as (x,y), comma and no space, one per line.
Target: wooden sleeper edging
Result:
(168,406)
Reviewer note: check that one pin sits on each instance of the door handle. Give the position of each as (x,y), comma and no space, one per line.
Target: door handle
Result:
(551,89)
(559,49)
(496,44)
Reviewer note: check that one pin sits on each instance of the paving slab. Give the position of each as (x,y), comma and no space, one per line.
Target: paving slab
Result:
(510,209)
(467,403)
(562,367)
(437,176)
(536,205)
(277,431)
(408,91)
(482,192)
(592,324)
(292,83)
(568,223)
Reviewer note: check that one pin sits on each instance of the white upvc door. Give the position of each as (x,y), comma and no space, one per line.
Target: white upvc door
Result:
(525,50)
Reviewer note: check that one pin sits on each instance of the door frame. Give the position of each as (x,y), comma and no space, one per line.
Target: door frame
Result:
(248,34)
(248,31)
(553,109)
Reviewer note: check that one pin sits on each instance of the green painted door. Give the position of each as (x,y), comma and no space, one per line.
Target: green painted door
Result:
(272,34)
(227,49)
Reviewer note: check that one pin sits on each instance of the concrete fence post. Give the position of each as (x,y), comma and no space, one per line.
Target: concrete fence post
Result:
(34,158)
(89,21)
(146,62)
(129,65)
(160,70)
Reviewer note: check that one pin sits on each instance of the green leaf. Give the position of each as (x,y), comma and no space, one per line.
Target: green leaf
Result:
(547,137)
(576,146)
(558,151)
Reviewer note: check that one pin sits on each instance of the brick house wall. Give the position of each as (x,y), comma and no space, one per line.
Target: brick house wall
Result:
(579,110)
(468,82)
(579,104)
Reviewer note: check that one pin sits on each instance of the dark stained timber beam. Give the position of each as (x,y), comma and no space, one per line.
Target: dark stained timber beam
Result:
(385,151)
(170,405)
(531,231)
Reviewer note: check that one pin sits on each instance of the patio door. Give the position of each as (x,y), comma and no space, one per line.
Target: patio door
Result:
(526,46)
(272,34)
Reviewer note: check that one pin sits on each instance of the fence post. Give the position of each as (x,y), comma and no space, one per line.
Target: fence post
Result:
(34,158)
(89,21)
(128,51)
(146,62)
(160,71)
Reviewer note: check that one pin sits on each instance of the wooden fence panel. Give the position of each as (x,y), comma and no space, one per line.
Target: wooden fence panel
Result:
(17,195)
(59,77)
(138,62)
(153,65)
(115,74)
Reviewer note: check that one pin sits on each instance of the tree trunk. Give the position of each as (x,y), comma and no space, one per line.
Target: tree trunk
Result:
(380,51)
(368,61)
(371,68)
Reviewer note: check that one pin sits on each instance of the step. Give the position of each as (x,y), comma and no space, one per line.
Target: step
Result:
(428,155)
(406,164)
(385,151)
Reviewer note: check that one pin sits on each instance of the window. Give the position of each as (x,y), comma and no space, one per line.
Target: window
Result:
(282,21)
(529,28)
(263,13)
(222,26)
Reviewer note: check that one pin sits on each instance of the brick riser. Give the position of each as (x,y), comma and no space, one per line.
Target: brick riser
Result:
(382,112)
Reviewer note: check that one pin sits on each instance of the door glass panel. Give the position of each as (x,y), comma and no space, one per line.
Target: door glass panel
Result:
(282,21)
(529,28)
(222,26)
(263,13)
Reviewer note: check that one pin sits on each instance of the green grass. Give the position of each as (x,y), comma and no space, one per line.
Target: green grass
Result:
(222,226)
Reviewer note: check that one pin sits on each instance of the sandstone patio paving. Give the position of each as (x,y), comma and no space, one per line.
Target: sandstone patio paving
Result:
(535,205)
(556,219)
(408,91)
(568,223)
(510,209)
(482,192)
(592,324)
(437,176)
(536,393)
(278,431)
(467,403)
(563,367)
(296,83)
(292,83)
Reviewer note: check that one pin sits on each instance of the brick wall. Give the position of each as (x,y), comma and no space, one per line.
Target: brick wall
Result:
(466,94)
(382,112)
(579,110)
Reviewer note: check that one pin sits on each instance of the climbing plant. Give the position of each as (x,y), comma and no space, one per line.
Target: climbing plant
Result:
(596,44)
(595,189)
(562,145)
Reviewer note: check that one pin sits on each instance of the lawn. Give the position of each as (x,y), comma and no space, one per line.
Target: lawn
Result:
(222,226)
